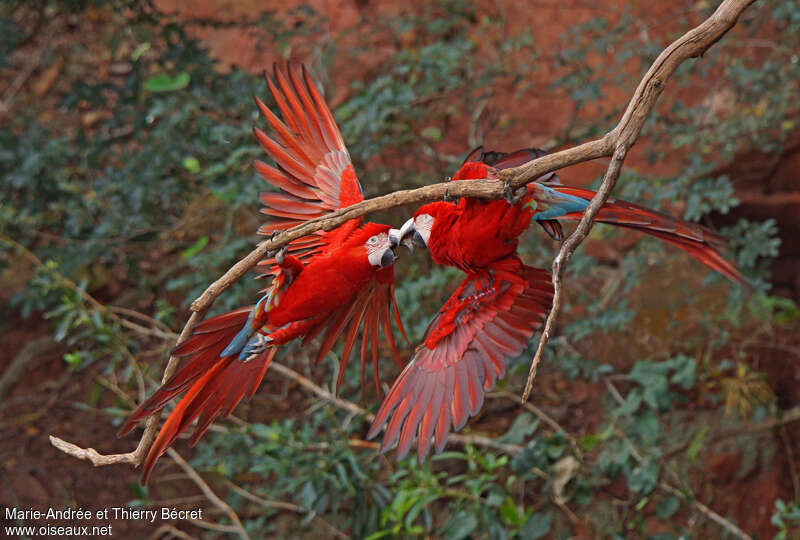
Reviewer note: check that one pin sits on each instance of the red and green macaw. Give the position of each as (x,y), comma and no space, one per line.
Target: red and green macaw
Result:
(330,283)
(494,312)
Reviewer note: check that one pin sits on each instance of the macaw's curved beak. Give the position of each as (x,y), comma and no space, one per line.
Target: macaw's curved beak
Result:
(395,236)
(409,236)
(388,258)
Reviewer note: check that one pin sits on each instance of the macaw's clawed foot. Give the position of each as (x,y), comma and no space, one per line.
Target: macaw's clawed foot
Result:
(511,195)
(273,252)
(449,198)
(280,256)
(257,346)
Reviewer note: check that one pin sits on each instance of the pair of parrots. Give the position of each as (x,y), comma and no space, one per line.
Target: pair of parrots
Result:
(333,284)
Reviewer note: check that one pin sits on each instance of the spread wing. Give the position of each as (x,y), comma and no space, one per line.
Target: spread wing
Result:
(372,309)
(313,174)
(489,319)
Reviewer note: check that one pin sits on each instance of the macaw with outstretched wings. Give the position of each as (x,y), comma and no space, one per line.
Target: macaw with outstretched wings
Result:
(328,283)
(499,305)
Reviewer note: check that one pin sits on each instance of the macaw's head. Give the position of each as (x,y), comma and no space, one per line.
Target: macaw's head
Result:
(416,232)
(378,241)
(474,170)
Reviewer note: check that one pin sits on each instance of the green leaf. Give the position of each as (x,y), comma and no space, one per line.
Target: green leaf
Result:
(73,359)
(684,372)
(510,513)
(195,248)
(431,132)
(537,526)
(138,491)
(191,164)
(643,477)
(697,444)
(590,442)
(667,507)
(94,394)
(162,82)
(646,426)
(140,49)
(632,402)
(461,526)
(523,427)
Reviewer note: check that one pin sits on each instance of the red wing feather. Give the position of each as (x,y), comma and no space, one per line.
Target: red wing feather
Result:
(314,174)
(214,394)
(214,385)
(370,311)
(502,160)
(489,319)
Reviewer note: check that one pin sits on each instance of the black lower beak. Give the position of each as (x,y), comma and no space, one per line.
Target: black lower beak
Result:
(418,241)
(388,258)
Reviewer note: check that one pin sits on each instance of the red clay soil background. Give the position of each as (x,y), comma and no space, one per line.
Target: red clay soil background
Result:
(34,474)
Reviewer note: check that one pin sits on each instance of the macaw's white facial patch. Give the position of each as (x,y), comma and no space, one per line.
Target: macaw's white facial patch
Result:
(423,224)
(376,246)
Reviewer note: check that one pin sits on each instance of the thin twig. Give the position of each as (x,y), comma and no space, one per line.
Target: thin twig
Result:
(786,416)
(151,426)
(159,330)
(567,249)
(623,136)
(204,524)
(540,414)
(171,530)
(208,492)
(266,503)
(705,510)
(790,458)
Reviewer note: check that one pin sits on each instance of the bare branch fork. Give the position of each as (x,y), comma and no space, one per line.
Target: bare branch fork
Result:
(615,143)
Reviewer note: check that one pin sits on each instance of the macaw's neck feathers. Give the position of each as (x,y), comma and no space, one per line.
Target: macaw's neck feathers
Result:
(314,174)
(551,203)
(489,319)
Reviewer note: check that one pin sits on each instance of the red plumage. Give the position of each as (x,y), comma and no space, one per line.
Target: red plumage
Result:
(334,282)
(494,312)
(698,241)
(489,318)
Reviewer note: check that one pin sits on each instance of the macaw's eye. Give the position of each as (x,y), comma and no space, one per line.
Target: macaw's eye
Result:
(373,240)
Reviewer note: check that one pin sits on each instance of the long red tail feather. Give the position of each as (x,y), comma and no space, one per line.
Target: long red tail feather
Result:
(213,395)
(208,340)
(696,240)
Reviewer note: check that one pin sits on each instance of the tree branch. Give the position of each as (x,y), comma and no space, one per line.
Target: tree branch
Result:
(238,528)
(692,44)
(567,249)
